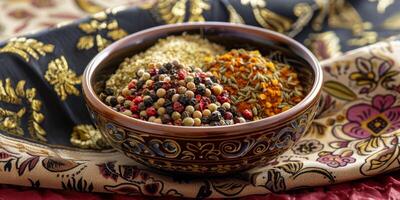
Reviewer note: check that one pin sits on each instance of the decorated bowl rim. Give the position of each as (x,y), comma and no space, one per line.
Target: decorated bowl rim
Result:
(119,118)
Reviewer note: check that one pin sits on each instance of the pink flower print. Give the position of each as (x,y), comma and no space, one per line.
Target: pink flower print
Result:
(336,160)
(374,120)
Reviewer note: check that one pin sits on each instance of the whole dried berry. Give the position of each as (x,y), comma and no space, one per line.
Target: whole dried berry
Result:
(134,108)
(205,120)
(154,97)
(113,101)
(215,116)
(140,84)
(162,70)
(167,103)
(158,85)
(170,92)
(109,91)
(201,90)
(247,114)
(184,100)
(193,102)
(178,107)
(141,106)
(221,110)
(196,80)
(151,111)
(169,109)
(165,118)
(228,116)
(148,102)
(167,66)
(213,98)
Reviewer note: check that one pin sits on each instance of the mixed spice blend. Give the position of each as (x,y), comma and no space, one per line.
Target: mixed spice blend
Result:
(188,50)
(187,80)
(259,87)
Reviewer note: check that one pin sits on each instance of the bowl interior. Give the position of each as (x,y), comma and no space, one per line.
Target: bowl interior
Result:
(228,37)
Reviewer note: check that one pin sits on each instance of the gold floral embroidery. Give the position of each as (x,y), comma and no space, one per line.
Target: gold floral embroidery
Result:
(341,14)
(174,11)
(62,78)
(304,13)
(266,18)
(324,45)
(86,136)
(27,48)
(89,6)
(382,5)
(196,10)
(392,22)
(93,29)
(367,37)
(234,16)
(10,121)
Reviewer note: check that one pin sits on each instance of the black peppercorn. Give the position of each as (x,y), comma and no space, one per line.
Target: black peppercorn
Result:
(205,120)
(148,102)
(184,100)
(162,70)
(221,110)
(215,116)
(213,98)
(169,110)
(213,79)
(165,118)
(167,103)
(208,83)
(201,90)
(215,123)
(193,102)
(140,84)
(158,85)
(167,66)
(196,80)
(170,92)
(154,97)
(113,101)
(233,111)
(185,114)
(109,91)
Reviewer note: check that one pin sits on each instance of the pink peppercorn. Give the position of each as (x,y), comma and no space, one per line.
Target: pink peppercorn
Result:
(137,100)
(134,108)
(151,111)
(136,116)
(130,98)
(132,84)
(247,114)
(153,71)
(223,99)
(181,75)
(228,116)
(178,107)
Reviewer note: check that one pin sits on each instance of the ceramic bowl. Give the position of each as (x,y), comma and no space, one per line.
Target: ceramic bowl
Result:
(204,150)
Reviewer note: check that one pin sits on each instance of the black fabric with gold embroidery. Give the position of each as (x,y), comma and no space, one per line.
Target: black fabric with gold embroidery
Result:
(40,91)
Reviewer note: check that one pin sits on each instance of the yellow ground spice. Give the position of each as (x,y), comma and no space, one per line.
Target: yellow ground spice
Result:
(259,87)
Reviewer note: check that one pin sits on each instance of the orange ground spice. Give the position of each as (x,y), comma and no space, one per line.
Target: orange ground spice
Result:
(256,83)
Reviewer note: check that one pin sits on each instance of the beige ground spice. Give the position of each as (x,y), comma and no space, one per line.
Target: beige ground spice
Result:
(189,50)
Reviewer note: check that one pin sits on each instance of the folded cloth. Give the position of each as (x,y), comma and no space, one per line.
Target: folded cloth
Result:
(43,118)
